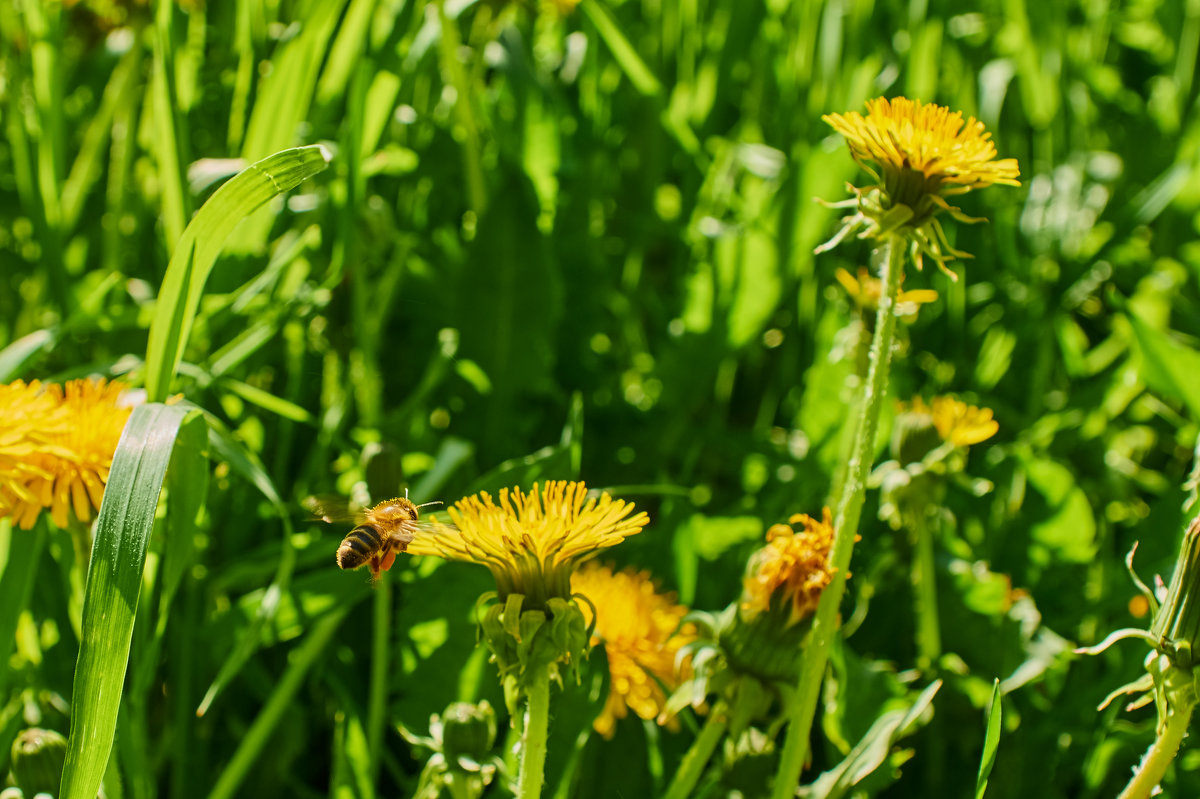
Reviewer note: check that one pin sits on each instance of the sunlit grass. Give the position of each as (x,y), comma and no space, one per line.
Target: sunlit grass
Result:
(555,246)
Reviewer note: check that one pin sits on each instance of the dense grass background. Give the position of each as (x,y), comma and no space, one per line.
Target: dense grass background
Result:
(579,246)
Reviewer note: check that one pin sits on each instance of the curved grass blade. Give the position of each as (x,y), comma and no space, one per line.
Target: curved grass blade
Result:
(201,243)
(631,63)
(111,596)
(990,742)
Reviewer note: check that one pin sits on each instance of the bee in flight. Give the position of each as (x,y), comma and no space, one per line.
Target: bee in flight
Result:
(380,532)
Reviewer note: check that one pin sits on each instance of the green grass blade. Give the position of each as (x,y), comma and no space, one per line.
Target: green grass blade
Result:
(89,162)
(189,269)
(990,742)
(19,553)
(631,63)
(168,149)
(257,737)
(14,357)
(114,582)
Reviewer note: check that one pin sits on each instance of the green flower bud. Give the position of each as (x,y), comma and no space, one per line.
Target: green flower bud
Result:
(468,734)
(37,761)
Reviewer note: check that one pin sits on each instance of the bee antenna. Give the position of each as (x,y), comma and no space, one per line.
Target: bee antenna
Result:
(427,504)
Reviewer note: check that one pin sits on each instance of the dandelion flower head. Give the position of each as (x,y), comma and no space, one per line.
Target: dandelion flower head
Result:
(957,422)
(56,447)
(792,569)
(642,636)
(866,289)
(924,153)
(532,542)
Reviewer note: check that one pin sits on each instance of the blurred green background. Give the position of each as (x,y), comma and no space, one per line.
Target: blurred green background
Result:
(562,242)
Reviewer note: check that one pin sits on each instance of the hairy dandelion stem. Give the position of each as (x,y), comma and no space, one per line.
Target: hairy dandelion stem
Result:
(804,705)
(691,768)
(533,737)
(1154,765)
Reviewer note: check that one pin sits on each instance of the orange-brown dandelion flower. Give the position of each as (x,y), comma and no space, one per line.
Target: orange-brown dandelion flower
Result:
(791,571)
(642,637)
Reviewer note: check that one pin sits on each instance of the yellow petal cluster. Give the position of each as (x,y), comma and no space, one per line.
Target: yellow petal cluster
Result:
(791,570)
(866,290)
(56,447)
(642,636)
(903,135)
(956,421)
(924,153)
(531,541)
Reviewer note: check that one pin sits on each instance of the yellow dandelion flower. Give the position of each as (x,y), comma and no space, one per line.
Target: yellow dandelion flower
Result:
(866,289)
(925,153)
(532,541)
(791,571)
(956,421)
(642,636)
(57,447)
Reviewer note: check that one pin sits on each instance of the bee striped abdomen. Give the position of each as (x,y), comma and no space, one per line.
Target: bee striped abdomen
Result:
(360,545)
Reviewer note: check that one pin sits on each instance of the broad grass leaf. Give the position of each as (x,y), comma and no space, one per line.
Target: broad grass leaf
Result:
(114,583)
(1168,367)
(1069,531)
(194,258)
(872,761)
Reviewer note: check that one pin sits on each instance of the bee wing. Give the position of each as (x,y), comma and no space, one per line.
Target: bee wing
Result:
(435,526)
(332,508)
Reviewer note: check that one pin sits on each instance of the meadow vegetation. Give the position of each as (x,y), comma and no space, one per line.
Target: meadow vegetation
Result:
(366,247)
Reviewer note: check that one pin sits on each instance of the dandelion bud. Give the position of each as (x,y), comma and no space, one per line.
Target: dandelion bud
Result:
(468,734)
(37,761)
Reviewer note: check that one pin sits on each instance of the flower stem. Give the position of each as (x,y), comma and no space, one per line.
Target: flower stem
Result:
(692,766)
(1154,765)
(924,579)
(533,738)
(816,655)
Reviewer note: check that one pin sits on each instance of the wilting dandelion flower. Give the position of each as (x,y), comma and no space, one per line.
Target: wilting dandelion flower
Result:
(56,447)
(791,571)
(531,542)
(641,632)
(924,153)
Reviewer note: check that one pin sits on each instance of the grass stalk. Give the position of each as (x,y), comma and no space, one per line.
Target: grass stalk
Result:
(924,580)
(691,768)
(803,708)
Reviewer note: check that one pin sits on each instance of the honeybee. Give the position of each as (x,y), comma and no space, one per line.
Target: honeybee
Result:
(380,532)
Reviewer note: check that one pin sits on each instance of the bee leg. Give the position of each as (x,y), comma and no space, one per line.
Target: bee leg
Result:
(388,560)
